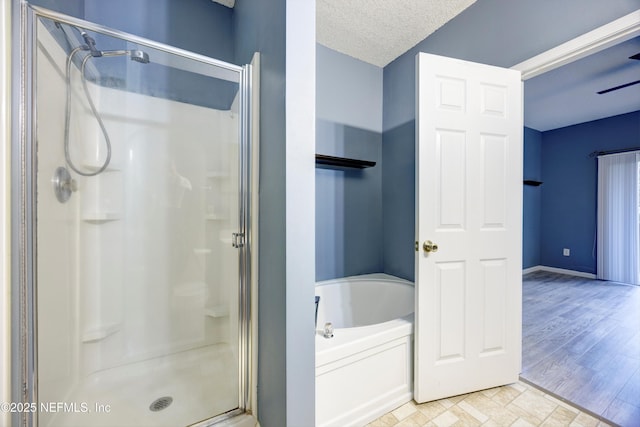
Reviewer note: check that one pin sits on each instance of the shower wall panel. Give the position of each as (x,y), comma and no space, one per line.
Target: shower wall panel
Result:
(160,224)
(57,253)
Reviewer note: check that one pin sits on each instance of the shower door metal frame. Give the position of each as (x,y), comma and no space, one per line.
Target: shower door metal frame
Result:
(24,340)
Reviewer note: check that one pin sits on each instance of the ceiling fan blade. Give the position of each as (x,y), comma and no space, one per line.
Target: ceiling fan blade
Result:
(619,87)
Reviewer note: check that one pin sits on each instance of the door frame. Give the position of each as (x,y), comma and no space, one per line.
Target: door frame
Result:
(22,384)
(589,43)
(615,32)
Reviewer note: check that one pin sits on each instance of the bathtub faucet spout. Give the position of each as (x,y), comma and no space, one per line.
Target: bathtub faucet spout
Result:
(328,330)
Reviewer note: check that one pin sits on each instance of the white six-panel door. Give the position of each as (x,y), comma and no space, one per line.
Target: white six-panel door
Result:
(469,204)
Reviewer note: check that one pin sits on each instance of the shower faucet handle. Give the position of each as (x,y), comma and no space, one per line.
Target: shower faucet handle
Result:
(71,184)
(63,184)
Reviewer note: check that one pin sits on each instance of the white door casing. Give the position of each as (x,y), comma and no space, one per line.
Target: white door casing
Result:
(469,202)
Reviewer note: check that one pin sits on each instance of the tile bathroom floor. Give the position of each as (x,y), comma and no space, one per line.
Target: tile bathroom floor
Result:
(517,405)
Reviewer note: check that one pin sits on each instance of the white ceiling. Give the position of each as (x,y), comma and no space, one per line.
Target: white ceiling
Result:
(379,31)
(568,95)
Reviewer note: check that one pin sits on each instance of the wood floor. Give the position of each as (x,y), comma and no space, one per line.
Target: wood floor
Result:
(581,342)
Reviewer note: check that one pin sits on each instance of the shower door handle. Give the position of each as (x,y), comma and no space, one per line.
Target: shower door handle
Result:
(237,240)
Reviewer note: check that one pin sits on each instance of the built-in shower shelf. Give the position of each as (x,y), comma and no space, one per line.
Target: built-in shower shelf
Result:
(201,251)
(100,217)
(214,217)
(217,311)
(216,174)
(100,333)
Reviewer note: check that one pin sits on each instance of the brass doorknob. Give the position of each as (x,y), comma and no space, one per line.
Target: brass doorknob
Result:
(429,246)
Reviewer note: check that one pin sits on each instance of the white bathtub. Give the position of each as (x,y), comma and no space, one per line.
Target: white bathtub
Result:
(366,369)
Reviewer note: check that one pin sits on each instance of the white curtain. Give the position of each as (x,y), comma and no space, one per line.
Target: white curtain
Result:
(618,220)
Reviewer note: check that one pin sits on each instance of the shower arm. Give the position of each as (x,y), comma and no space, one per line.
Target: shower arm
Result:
(107,53)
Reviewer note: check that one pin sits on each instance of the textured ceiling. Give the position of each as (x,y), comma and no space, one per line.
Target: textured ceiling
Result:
(379,31)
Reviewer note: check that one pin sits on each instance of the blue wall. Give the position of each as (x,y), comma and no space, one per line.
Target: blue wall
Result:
(349,237)
(568,214)
(71,8)
(495,32)
(167,21)
(398,200)
(532,197)
(348,203)
(200,26)
(260,27)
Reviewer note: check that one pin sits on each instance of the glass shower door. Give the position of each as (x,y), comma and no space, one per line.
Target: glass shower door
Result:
(139,219)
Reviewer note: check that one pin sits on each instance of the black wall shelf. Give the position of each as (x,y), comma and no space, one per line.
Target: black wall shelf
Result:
(533,183)
(342,162)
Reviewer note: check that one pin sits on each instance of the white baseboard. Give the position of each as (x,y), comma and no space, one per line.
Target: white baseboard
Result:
(559,271)
(532,269)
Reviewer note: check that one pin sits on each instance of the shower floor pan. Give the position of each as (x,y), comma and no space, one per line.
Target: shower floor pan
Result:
(174,390)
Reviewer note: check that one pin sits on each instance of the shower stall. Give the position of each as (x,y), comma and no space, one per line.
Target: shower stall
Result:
(134,227)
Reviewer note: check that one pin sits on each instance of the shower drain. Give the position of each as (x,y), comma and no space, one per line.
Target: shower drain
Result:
(160,403)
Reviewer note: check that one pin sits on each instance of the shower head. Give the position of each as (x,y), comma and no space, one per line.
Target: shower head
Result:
(139,56)
(136,55)
(90,45)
